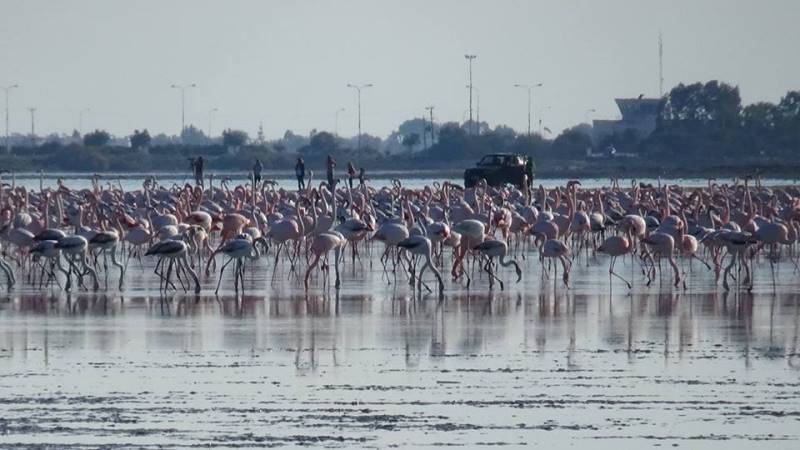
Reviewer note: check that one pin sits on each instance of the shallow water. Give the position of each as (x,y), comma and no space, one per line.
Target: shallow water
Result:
(378,365)
(412,179)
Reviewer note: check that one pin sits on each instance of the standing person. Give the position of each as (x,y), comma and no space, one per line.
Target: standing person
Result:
(192,162)
(529,170)
(351,173)
(257,167)
(331,164)
(362,178)
(300,173)
(198,170)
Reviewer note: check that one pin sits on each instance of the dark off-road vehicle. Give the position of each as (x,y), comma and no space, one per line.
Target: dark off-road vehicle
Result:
(499,169)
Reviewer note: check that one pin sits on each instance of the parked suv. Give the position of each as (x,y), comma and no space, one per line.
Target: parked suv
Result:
(499,169)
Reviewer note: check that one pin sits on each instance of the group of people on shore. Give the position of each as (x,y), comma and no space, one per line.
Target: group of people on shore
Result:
(197,167)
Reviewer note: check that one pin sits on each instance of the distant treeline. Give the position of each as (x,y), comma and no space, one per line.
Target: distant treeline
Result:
(702,127)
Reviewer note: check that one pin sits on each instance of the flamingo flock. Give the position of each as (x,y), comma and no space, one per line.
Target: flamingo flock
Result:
(65,238)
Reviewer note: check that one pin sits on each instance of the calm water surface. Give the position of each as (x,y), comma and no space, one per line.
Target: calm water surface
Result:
(380,366)
(285,179)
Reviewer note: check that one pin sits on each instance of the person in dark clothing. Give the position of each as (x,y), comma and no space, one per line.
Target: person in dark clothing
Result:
(351,173)
(331,164)
(529,170)
(361,177)
(197,166)
(300,173)
(257,167)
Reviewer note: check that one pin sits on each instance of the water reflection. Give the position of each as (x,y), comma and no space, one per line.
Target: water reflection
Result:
(755,326)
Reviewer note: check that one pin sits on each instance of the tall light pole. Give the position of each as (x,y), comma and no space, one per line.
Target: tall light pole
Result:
(80,120)
(33,125)
(358,89)
(430,110)
(470,58)
(336,121)
(477,107)
(530,88)
(183,102)
(210,114)
(8,136)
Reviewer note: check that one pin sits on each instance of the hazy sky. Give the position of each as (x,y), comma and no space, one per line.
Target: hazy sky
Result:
(287,63)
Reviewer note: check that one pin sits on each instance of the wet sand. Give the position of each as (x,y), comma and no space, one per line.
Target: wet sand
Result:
(380,366)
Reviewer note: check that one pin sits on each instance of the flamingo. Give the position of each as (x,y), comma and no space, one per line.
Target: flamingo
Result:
(556,249)
(391,234)
(615,246)
(74,249)
(472,232)
(48,250)
(175,251)
(663,245)
(235,249)
(107,241)
(9,273)
(321,245)
(494,248)
(421,246)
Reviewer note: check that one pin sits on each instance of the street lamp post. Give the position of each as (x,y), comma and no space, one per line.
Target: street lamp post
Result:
(210,114)
(358,89)
(80,120)
(8,136)
(183,102)
(477,107)
(470,58)
(336,121)
(530,88)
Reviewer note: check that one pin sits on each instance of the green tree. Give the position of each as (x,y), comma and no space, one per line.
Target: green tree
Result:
(322,143)
(499,139)
(96,138)
(140,139)
(410,141)
(192,135)
(572,143)
(787,123)
(787,112)
(715,102)
(234,138)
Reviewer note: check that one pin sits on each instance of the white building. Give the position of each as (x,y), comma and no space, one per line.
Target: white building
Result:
(638,114)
